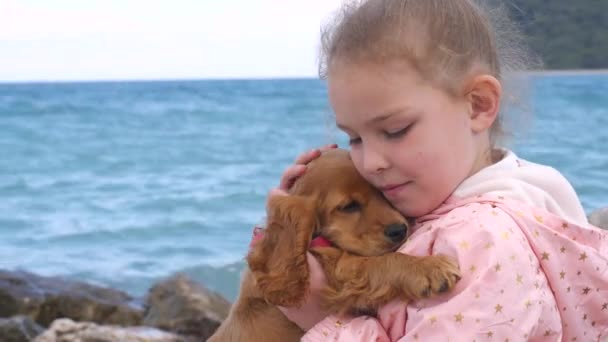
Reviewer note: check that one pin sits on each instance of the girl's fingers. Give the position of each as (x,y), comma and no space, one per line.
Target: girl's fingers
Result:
(311,155)
(293,172)
(328,147)
(290,175)
(307,157)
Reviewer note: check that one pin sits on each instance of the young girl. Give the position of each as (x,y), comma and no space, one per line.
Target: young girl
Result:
(417,85)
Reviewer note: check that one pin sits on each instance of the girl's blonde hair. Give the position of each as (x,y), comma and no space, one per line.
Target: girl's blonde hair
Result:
(444,40)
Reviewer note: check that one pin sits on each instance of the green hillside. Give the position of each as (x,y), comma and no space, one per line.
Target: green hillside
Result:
(566,34)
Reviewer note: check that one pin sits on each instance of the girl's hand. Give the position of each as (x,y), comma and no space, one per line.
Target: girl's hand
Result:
(292,173)
(310,312)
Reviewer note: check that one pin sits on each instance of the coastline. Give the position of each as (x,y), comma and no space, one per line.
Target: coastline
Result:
(547,72)
(569,72)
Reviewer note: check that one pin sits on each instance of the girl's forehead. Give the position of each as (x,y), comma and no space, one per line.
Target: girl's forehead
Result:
(389,66)
(368,76)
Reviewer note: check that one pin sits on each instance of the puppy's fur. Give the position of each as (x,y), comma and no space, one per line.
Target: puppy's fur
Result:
(332,200)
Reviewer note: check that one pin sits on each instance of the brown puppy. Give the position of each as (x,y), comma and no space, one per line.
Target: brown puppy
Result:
(332,200)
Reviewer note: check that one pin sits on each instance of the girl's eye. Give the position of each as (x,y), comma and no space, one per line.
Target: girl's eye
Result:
(354,141)
(398,133)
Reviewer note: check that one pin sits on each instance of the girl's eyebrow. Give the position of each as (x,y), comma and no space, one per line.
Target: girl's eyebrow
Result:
(386,116)
(382,117)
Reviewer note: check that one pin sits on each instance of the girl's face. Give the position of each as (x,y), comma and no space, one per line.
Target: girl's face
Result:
(408,138)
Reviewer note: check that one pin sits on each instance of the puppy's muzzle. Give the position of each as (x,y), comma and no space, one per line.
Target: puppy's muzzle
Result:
(396,232)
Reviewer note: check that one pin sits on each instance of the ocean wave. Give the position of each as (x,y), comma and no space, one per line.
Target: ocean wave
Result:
(125,183)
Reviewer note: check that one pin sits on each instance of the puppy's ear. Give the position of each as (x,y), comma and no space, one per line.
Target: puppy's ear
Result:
(278,261)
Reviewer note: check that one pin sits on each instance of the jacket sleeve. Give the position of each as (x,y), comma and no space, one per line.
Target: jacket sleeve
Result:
(358,329)
(502,294)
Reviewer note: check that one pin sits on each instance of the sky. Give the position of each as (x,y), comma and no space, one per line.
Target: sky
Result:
(62,40)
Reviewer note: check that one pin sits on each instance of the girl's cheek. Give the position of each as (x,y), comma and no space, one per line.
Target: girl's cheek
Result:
(356,158)
(410,162)
(421,160)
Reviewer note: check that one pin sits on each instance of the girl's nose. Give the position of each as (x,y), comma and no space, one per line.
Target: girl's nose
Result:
(374,160)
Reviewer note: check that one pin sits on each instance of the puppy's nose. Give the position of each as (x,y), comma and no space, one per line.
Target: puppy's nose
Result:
(396,232)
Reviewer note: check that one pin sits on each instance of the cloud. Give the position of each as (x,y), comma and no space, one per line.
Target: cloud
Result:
(97,39)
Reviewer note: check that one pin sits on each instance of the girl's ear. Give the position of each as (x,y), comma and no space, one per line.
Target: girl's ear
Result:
(484,94)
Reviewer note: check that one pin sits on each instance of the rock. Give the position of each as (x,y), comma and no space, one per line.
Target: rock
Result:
(66,330)
(599,218)
(185,307)
(177,304)
(45,299)
(19,329)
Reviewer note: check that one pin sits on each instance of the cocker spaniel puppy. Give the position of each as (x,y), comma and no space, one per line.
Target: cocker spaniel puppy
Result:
(331,200)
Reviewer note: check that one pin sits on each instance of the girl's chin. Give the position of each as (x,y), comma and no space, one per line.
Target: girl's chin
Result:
(413,208)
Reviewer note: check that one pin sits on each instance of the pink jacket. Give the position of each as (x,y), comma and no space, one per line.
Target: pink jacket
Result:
(533,269)
(540,278)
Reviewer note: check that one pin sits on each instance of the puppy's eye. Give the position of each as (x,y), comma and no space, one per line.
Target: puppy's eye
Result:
(351,207)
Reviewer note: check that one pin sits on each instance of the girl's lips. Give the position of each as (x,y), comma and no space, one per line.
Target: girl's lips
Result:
(393,190)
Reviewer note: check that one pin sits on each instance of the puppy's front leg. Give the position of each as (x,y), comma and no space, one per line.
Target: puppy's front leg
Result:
(278,262)
(363,284)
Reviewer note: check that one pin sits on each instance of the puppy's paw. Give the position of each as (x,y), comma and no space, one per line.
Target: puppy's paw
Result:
(435,274)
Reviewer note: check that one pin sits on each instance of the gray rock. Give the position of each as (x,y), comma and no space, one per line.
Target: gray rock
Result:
(177,304)
(19,329)
(599,218)
(45,299)
(66,330)
(185,307)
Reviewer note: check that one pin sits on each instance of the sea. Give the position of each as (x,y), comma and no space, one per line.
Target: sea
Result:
(125,183)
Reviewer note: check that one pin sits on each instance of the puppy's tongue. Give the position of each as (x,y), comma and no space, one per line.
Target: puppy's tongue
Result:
(320,241)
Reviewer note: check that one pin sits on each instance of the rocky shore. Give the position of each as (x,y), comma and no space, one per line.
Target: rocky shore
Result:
(49,309)
(599,218)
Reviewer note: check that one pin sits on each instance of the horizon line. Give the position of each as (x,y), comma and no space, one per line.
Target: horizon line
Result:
(548,72)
